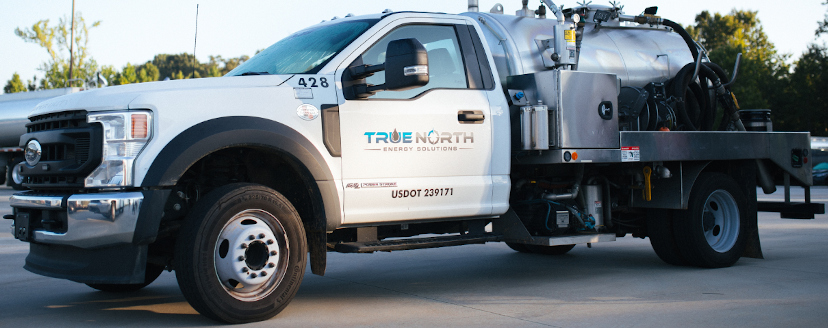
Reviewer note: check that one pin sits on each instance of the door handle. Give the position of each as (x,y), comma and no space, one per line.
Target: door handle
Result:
(470,117)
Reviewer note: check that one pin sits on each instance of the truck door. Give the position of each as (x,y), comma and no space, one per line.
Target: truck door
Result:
(423,153)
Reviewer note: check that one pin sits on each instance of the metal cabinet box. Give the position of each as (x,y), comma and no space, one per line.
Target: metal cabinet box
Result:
(583,105)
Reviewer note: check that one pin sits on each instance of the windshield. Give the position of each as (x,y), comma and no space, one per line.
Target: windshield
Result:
(306,51)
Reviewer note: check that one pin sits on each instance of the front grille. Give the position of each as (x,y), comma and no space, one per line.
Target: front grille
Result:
(71,149)
(54,121)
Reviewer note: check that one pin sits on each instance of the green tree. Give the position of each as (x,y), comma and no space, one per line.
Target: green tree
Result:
(823,25)
(806,96)
(805,104)
(56,40)
(136,74)
(14,85)
(762,70)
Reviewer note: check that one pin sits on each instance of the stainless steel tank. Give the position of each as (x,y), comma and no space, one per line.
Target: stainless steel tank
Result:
(638,55)
(15,109)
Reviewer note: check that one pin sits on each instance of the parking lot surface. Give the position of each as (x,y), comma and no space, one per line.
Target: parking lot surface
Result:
(616,284)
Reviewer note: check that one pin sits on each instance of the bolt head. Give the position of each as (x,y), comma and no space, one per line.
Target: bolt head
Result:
(243,246)
(251,237)
(272,253)
(264,273)
(253,275)
(271,265)
(261,236)
(245,269)
(270,241)
(241,258)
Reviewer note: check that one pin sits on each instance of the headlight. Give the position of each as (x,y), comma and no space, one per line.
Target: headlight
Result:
(124,136)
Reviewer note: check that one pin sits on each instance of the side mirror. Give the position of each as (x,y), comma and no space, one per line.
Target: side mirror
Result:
(406,65)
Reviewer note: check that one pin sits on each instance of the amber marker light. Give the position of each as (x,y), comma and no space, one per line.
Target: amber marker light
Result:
(139,126)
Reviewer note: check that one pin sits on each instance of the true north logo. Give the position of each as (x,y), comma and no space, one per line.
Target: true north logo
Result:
(431,137)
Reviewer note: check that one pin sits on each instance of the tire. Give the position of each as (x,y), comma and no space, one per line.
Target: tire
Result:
(518,247)
(660,232)
(711,233)
(550,250)
(241,233)
(14,179)
(537,249)
(152,273)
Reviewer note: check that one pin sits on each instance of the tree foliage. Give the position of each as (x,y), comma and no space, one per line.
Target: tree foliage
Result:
(57,41)
(762,69)
(14,85)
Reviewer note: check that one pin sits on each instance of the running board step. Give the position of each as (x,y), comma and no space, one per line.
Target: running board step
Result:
(414,243)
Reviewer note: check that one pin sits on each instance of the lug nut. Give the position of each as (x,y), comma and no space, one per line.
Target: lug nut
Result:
(261,236)
(253,275)
(264,273)
(271,264)
(270,241)
(272,253)
(245,269)
(241,258)
(243,246)
(251,237)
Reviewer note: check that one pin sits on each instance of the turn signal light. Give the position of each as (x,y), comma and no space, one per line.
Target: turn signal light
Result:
(139,126)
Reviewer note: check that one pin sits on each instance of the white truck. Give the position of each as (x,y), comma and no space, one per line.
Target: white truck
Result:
(14,110)
(362,134)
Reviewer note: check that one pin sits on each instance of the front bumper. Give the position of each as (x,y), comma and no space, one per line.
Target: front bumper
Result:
(83,220)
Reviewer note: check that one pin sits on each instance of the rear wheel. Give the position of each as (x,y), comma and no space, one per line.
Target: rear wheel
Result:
(550,250)
(538,249)
(152,273)
(241,255)
(660,232)
(518,247)
(711,232)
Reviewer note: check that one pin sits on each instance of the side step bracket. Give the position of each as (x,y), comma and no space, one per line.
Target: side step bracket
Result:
(415,243)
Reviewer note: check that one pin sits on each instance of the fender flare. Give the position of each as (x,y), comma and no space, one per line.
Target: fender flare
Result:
(204,138)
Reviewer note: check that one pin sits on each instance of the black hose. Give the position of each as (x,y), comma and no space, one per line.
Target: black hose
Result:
(684,35)
(694,108)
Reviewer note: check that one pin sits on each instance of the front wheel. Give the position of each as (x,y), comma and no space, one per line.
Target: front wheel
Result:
(711,232)
(241,254)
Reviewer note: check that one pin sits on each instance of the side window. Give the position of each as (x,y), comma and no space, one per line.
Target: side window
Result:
(445,61)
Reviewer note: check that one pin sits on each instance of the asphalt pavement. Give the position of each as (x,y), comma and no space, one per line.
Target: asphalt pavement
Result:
(615,284)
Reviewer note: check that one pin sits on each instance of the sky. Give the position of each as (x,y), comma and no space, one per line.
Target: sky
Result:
(135,31)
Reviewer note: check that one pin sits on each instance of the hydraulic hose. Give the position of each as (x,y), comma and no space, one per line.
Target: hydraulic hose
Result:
(684,35)
(694,109)
(731,112)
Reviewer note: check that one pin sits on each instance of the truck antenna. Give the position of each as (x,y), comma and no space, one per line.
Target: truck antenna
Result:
(195,41)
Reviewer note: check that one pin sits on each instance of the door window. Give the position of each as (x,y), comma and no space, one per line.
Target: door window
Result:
(445,61)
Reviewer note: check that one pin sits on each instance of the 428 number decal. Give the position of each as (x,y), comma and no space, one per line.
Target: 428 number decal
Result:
(312,82)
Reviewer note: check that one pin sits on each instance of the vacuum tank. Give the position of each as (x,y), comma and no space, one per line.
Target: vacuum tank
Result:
(636,54)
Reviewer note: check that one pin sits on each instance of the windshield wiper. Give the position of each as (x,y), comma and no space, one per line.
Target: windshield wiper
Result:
(254,73)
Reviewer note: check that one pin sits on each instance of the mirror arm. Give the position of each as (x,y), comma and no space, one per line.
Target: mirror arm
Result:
(363,91)
(363,71)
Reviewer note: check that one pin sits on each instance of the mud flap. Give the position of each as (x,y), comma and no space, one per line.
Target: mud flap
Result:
(318,251)
(745,175)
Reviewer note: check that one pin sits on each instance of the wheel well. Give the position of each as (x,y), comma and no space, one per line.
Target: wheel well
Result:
(255,165)
(251,164)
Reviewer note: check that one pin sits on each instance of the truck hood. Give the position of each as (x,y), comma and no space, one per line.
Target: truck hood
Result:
(120,97)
